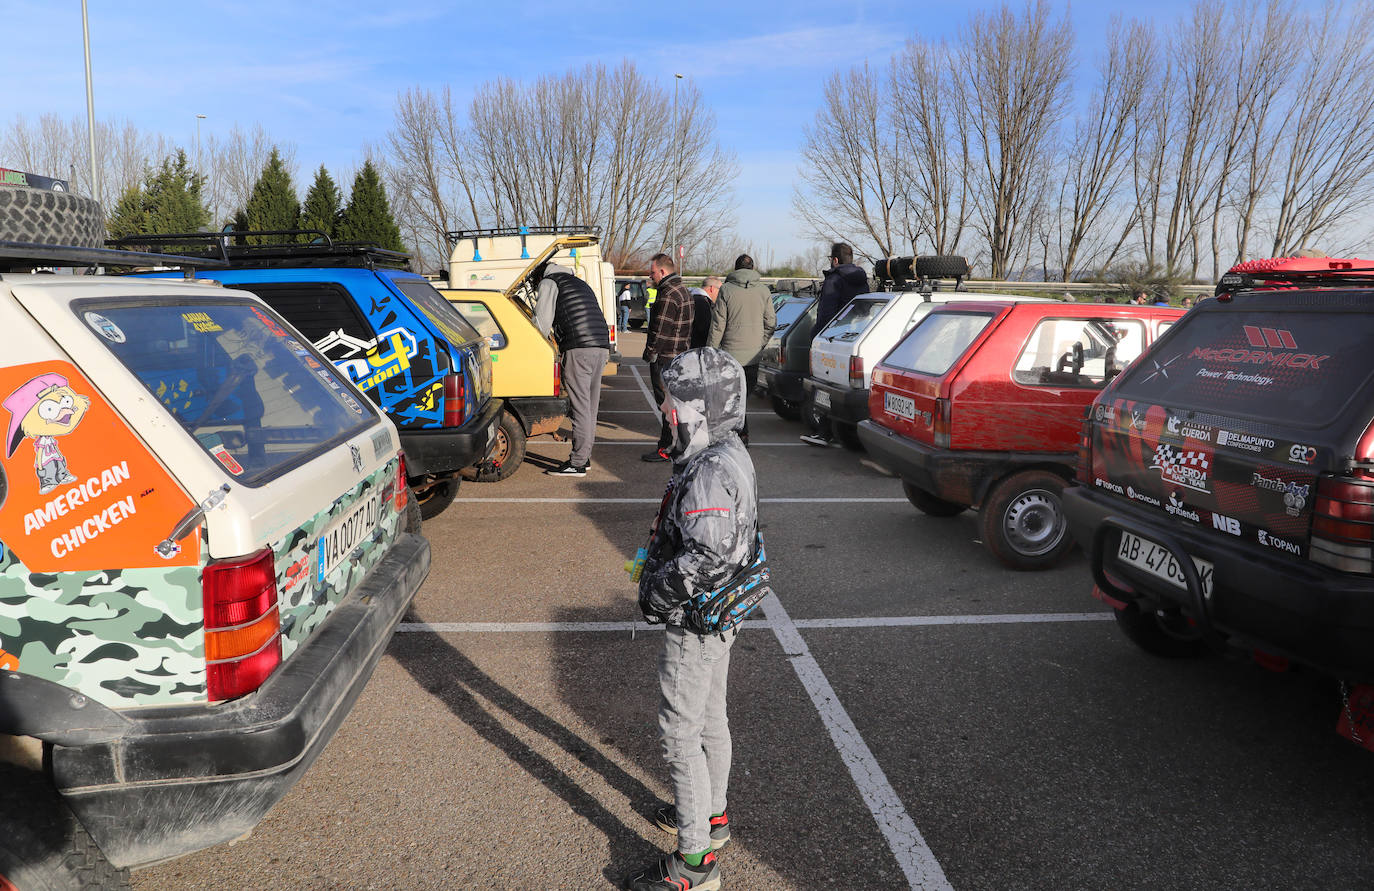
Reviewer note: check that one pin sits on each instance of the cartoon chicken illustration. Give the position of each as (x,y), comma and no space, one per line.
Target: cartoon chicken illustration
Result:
(44,408)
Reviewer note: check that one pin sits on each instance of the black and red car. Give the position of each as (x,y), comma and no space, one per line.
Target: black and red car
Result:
(1227,477)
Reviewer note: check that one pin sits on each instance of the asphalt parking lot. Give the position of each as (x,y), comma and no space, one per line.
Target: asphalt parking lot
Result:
(907,714)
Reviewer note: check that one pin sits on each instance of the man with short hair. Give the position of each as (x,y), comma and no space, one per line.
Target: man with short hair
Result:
(670,333)
(842,283)
(742,321)
(567,307)
(703,299)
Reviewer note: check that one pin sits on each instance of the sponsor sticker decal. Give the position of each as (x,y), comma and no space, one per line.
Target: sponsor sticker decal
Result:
(1185,467)
(201,322)
(1141,496)
(1229,525)
(1244,441)
(1294,494)
(105,328)
(1177,426)
(1278,543)
(1301,454)
(1178,508)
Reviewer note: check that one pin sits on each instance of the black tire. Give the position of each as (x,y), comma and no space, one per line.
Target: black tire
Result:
(43,216)
(414,520)
(785,408)
(43,847)
(636,324)
(941,266)
(1023,520)
(437,497)
(928,504)
(848,435)
(509,452)
(1161,634)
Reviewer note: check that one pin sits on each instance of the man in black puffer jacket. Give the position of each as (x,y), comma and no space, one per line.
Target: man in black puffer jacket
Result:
(843,282)
(566,306)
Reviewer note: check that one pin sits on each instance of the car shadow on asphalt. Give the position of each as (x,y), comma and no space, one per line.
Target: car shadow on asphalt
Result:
(443,671)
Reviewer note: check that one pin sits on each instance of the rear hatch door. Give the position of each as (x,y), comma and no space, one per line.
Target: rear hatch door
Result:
(831,349)
(1228,421)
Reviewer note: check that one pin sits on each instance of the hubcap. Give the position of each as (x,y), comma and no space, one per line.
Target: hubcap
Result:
(1034,522)
(498,452)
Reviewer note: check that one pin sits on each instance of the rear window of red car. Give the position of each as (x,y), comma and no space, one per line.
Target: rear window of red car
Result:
(1293,365)
(937,342)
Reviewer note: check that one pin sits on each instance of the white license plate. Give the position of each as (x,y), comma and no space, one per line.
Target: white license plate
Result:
(346,533)
(901,406)
(1158,561)
(822,399)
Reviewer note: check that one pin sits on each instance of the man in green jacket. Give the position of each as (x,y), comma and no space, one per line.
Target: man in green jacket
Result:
(742,320)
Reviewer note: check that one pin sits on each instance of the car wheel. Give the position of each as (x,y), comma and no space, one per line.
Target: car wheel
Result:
(785,408)
(43,847)
(848,435)
(927,503)
(43,216)
(435,497)
(1164,633)
(509,451)
(636,324)
(1023,520)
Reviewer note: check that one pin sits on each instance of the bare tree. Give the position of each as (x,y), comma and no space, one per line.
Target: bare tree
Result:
(1102,137)
(854,180)
(57,148)
(233,165)
(934,148)
(1016,72)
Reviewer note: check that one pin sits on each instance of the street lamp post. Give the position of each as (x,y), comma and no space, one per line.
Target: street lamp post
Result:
(199,118)
(677,161)
(90,102)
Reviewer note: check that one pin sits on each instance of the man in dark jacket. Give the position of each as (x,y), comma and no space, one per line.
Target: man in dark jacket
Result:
(706,533)
(742,322)
(670,333)
(843,282)
(567,306)
(703,299)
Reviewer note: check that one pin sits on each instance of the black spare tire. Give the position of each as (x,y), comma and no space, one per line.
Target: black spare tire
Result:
(45,216)
(941,266)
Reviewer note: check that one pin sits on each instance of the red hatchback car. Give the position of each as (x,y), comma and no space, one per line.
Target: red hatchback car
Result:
(980,406)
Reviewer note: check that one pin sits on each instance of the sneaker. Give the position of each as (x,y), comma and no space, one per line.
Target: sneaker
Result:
(666,819)
(567,468)
(655,455)
(671,873)
(816,440)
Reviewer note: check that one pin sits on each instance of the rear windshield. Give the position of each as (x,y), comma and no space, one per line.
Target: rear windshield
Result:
(937,342)
(236,378)
(479,316)
(789,312)
(855,318)
(455,330)
(1295,366)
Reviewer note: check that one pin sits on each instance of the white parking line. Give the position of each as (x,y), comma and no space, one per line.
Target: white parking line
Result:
(644,388)
(913,855)
(660,500)
(805,624)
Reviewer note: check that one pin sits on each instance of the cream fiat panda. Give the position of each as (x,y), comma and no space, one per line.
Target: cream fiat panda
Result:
(206,541)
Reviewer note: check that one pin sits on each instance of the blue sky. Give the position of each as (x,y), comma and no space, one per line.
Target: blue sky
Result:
(324,76)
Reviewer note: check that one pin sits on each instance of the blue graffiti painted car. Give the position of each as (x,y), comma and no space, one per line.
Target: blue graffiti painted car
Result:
(395,337)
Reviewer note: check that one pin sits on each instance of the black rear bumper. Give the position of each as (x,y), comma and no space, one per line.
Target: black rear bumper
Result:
(448,450)
(181,779)
(782,383)
(1280,604)
(960,476)
(847,405)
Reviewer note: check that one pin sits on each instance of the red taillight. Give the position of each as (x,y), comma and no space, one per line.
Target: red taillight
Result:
(455,398)
(557,377)
(242,624)
(940,424)
(1343,524)
(402,494)
(1085,450)
(856,372)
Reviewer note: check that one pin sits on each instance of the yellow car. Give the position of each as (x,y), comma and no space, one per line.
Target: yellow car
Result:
(523,364)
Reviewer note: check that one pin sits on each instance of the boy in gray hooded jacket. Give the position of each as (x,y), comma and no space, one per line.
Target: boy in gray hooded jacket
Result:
(706,533)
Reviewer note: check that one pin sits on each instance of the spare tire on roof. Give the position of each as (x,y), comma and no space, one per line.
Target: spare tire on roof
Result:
(893,269)
(941,266)
(47,216)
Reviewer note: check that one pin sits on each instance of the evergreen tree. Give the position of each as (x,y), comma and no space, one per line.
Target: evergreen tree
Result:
(367,217)
(323,204)
(169,201)
(273,203)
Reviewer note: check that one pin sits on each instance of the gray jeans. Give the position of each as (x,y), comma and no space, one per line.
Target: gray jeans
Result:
(694,730)
(582,382)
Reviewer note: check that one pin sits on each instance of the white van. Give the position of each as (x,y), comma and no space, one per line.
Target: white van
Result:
(835,393)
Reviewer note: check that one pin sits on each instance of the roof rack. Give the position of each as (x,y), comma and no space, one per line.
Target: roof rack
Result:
(1290,272)
(17,255)
(921,273)
(229,248)
(570,229)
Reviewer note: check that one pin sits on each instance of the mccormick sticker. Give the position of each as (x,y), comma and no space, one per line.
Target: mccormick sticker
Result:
(1185,467)
(84,493)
